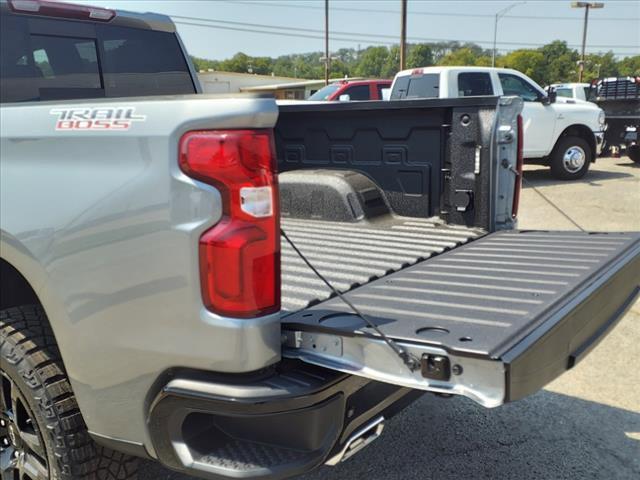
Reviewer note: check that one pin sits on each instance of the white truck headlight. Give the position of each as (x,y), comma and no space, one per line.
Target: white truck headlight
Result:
(601,118)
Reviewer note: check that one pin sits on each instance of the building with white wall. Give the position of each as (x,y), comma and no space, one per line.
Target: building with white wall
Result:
(232,82)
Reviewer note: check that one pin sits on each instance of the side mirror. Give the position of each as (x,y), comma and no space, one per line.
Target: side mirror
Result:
(551,97)
(344,98)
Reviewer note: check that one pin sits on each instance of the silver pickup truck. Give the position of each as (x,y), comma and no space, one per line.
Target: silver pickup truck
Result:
(158,299)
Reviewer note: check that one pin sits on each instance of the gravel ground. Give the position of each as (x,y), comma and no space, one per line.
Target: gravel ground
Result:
(586,424)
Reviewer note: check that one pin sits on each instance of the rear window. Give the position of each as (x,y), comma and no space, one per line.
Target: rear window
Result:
(564,92)
(118,62)
(143,62)
(473,84)
(419,86)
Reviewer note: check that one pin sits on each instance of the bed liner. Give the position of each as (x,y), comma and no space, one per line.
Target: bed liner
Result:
(351,254)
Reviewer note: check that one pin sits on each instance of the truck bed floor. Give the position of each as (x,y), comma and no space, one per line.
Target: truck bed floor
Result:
(353,254)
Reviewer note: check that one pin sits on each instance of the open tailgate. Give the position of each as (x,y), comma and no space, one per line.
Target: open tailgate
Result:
(494,320)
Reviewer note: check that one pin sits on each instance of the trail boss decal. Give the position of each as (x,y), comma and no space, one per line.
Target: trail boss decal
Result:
(102,118)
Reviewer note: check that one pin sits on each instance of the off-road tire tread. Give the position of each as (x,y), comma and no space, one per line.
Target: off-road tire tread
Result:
(29,347)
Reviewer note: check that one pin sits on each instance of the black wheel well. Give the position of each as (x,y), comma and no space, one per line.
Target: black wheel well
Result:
(583,132)
(15,290)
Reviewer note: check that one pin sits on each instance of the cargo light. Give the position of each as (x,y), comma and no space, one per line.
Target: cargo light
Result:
(519,164)
(240,255)
(59,9)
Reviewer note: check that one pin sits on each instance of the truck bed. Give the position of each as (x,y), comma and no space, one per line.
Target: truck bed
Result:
(353,254)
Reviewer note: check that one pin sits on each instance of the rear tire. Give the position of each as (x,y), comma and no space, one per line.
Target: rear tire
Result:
(633,152)
(42,432)
(571,158)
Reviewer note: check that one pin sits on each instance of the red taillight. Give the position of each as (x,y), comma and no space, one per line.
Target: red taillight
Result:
(58,9)
(519,163)
(239,256)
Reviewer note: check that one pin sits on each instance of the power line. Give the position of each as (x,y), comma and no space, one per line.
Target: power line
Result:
(315,37)
(285,30)
(281,34)
(431,14)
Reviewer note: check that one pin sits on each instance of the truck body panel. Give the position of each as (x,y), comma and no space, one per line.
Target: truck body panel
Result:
(103,224)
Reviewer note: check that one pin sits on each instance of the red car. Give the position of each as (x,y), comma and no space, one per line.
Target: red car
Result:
(352,90)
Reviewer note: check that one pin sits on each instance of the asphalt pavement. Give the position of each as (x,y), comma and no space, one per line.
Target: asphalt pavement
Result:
(584,425)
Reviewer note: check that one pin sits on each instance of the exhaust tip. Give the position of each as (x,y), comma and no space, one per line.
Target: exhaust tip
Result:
(358,440)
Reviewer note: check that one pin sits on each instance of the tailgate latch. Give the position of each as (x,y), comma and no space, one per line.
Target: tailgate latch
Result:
(435,367)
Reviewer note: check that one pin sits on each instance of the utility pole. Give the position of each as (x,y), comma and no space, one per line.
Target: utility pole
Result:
(587,6)
(498,16)
(403,34)
(327,58)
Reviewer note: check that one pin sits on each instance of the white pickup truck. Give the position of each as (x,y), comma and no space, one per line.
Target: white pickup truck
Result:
(565,136)
(572,91)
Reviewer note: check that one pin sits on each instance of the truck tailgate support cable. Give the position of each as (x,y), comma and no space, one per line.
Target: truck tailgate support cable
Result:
(547,199)
(409,360)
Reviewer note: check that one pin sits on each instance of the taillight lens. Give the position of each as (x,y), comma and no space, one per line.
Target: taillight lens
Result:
(239,256)
(519,163)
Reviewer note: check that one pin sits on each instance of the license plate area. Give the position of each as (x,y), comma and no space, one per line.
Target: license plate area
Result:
(370,357)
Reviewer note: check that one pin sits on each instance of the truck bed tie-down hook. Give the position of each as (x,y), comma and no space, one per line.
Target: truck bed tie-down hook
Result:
(409,360)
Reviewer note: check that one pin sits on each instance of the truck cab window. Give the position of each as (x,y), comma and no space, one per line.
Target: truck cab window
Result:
(65,63)
(37,66)
(472,84)
(18,72)
(424,86)
(48,67)
(514,85)
(418,86)
(164,70)
(358,92)
(564,92)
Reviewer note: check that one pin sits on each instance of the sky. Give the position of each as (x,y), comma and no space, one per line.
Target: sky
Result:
(217,29)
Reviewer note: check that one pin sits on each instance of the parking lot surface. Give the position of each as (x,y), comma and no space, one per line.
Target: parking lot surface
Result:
(584,425)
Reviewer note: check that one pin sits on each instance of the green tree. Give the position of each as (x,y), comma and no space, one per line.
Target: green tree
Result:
(371,62)
(339,68)
(560,63)
(419,55)
(600,65)
(554,62)
(238,63)
(261,65)
(630,66)
(529,62)
(202,64)
(459,57)
(392,63)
